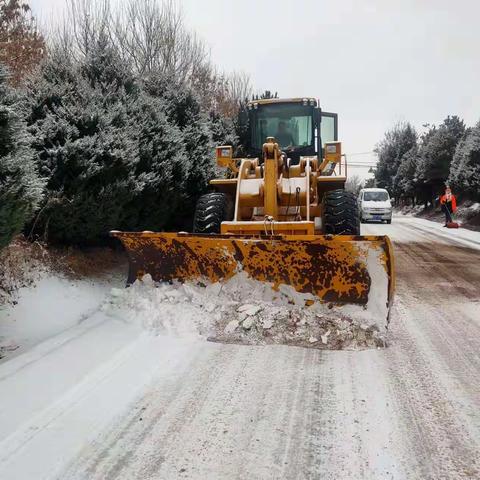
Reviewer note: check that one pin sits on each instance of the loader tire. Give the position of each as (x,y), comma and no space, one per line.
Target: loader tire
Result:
(341,215)
(212,209)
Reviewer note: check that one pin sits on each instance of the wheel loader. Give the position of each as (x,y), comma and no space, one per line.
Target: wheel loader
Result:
(280,214)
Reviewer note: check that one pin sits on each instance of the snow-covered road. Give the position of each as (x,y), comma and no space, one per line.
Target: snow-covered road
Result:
(104,400)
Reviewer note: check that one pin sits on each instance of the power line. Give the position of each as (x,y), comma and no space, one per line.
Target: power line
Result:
(360,153)
(363,163)
(368,164)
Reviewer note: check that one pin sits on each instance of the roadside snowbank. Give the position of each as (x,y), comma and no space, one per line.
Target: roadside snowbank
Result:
(246,311)
(461,236)
(46,291)
(50,306)
(467,214)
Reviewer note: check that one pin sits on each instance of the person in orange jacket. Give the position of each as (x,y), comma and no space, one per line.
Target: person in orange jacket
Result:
(449,204)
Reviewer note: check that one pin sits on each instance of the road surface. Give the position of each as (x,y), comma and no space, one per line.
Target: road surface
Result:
(101,400)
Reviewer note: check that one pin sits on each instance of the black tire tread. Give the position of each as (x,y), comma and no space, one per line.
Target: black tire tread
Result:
(341,216)
(211,210)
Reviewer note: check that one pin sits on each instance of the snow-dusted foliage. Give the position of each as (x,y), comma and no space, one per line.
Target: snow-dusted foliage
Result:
(395,144)
(122,119)
(184,111)
(419,168)
(118,152)
(437,149)
(20,185)
(405,180)
(465,168)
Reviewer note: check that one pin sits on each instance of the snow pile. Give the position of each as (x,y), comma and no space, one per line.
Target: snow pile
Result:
(44,291)
(245,311)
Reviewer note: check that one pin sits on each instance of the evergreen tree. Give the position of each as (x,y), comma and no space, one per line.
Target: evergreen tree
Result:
(184,111)
(437,149)
(118,153)
(111,157)
(20,185)
(80,124)
(395,144)
(405,180)
(465,168)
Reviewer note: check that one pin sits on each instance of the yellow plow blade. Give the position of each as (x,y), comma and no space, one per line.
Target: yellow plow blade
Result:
(338,269)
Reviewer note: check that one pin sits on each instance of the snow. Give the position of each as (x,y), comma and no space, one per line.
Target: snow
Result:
(73,416)
(459,236)
(133,390)
(75,370)
(244,310)
(52,305)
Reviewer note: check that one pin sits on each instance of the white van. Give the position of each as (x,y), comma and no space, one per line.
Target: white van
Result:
(374,205)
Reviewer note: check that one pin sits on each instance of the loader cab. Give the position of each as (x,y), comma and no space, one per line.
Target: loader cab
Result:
(298,125)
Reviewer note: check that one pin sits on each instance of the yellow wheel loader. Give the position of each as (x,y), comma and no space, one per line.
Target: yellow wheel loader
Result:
(280,214)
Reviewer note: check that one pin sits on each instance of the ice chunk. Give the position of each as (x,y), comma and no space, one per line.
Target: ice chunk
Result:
(247,323)
(231,326)
(249,309)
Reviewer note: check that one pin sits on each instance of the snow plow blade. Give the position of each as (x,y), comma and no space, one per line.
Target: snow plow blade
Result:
(337,269)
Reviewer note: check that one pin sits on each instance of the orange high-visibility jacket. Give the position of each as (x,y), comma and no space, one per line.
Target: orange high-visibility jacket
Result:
(443,200)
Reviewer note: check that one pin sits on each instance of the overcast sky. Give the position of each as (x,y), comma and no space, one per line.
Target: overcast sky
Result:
(375,62)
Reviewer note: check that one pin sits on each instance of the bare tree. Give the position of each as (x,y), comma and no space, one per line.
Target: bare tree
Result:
(89,21)
(22,46)
(154,38)
(230,92)
(85,24)
(354,184)
(240,87)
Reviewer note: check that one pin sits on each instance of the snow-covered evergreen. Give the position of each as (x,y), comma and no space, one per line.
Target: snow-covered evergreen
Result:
(20,186)
(437,149)
(118,151)
(395,144)
(419,168)
(465,168)
(405,180)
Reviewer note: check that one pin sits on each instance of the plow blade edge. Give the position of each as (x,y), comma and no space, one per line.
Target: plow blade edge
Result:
(339,269)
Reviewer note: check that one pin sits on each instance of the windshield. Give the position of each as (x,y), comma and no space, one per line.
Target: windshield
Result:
(291,125)
(375,196)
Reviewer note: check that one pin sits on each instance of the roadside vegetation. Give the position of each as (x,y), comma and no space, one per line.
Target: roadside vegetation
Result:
(107,122)
(415,167)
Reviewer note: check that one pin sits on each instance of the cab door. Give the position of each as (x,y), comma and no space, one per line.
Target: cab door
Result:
(329,127)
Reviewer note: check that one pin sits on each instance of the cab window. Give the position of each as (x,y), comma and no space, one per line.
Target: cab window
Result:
(291,125)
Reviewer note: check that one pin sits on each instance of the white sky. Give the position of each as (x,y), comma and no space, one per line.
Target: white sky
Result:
(373,61)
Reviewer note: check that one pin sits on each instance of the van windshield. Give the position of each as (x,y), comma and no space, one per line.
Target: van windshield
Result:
(375,196)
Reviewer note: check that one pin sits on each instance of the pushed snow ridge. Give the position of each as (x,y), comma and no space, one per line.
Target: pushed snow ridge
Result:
(246,311)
